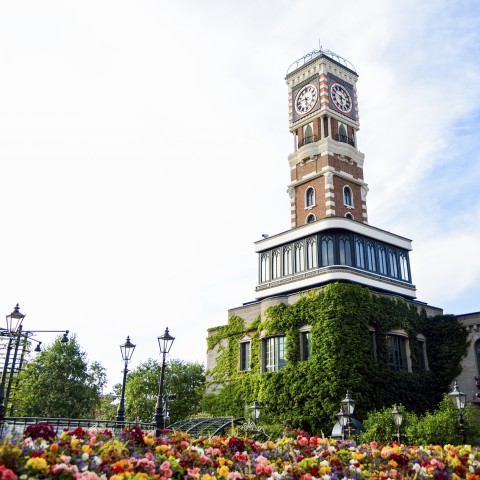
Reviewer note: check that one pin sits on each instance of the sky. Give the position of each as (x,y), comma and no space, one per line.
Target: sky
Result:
(144,146)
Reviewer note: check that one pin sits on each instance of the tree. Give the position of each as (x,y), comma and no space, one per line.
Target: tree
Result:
(184,379)
(59,382)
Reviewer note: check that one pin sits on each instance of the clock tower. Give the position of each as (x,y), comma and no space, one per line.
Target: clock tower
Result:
(330,239)
(326,166)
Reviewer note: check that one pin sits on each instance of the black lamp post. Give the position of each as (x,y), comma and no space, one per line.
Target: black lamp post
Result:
(459,399)
(165,344)
(345,414)
(398,420)
(127,351)
(14,327)
(256,410)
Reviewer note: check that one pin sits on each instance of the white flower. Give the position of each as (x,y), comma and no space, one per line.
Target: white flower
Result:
(85,456)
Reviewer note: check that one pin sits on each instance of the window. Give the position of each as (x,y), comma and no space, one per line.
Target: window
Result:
(245,349)
(275,264)
(299,257)
(403,266)
(275,354)
(344,250)
(311,218)
(310,197)
(371,264)
(422,352)
(382,260)
(392,262)
(305,345)
(328,257)
(308,134)
(342,133)
(397,352)
(347,196)
(349,215)
(287,260)
(359,253)
(264,267)
(312,261)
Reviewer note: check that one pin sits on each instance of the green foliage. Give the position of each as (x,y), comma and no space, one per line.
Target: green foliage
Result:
(183,379)
(307,394)
(58,382)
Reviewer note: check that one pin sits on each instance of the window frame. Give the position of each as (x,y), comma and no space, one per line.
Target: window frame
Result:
(274,353)
(350,197)
(403,350)
(310,198)
(245,354)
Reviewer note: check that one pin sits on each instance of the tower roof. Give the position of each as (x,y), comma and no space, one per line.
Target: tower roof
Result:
(321,52)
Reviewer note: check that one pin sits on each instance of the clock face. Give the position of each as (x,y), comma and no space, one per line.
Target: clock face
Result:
(306,99)
(341,98)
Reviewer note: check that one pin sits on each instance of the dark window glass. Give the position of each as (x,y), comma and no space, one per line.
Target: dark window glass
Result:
(392,262)
(347,196)
(311,218)
(245,356)
(310,197)
(305,345)
(342,133)
(328,257)
(371,263)
(344,250)
(382,260)
(359,253)
(397,352)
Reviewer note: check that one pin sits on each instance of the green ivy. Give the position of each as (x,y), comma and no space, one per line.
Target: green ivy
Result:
(307,394)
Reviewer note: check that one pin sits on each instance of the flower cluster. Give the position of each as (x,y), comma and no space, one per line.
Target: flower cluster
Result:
(98,455)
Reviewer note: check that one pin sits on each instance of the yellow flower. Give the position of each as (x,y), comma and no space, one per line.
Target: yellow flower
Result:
(38,463)
(224,461)
(207,477)
(148,439)
(74,442)
(161,448)
(223,471)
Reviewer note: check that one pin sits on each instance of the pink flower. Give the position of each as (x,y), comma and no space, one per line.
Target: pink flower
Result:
(194,472)
(7,474)
(165,465)
(87,476)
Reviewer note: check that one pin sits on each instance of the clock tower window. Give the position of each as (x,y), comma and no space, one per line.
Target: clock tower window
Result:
(310,197)
(307,135)
(349,215)
(347,197)
(311,218)
(342,133)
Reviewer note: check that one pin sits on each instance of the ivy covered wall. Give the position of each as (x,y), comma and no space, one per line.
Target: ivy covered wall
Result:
(307,393)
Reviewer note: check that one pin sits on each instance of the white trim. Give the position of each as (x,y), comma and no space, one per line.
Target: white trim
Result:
(351,205)
(331,276)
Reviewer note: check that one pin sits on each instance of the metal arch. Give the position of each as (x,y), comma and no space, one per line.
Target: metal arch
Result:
(232,421)
(315,53)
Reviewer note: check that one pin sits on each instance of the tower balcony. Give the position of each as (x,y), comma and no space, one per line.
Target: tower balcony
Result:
(312,146)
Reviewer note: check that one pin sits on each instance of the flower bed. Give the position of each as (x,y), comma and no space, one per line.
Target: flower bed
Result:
(92,455)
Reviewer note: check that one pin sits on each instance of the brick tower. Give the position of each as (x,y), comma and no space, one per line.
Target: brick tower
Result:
(326,166)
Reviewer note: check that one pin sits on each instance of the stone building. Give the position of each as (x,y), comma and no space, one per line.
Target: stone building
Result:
(330,239)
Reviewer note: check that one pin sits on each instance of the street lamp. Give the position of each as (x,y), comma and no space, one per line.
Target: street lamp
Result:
(459,399)
(14,326)
(256,410)
(127,351)
(398,420)
(165,344)
(347,407)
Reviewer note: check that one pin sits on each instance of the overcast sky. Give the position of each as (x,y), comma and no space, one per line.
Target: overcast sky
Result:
(144,145)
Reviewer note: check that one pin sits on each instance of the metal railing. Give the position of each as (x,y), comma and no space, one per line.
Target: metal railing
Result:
(15,425)
(306,140)
(344,139)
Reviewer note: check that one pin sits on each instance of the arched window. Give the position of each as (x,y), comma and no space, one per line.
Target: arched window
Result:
(359,253)
(382,260)
(349,215)
(342,133)
(287,260)
(310,197)
(308,134)
(275,263)
(311,218)
(344,250)
(299,257)
(392,262)
(371,263)
(328,257)
(347,196)
(403,266)
(312,261)
(265,268)
(397,345)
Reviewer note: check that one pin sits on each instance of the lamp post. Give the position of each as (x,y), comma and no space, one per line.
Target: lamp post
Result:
(398,420)
(256,410)
(14,326)
(127,351)
(345,414)
(165,344)
(459,399)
